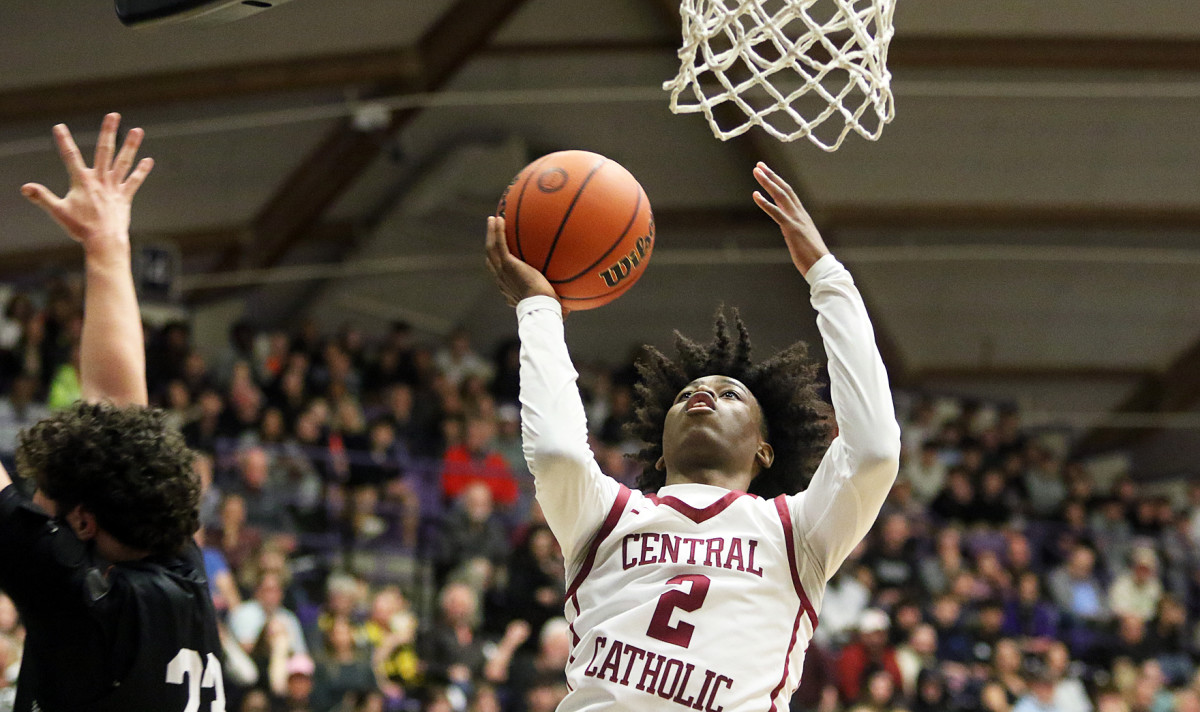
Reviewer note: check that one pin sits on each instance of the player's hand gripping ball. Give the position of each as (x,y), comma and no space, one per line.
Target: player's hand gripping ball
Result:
(583,221)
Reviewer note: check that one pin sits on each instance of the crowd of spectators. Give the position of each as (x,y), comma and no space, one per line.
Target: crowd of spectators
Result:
(372,541)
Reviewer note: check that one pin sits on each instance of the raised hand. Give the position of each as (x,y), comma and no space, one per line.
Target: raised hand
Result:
(516,279)
(803,240)
(95,210)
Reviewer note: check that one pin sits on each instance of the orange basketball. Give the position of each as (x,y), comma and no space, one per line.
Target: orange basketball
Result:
(583,221)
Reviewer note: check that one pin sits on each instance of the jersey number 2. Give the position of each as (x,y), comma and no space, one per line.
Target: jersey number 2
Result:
(187,666)
(660,624)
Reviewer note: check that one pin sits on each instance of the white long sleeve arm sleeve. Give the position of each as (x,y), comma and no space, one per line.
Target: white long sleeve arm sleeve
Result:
(574,494)
(849,487)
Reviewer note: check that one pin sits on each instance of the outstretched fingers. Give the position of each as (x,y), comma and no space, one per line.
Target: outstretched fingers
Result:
(778,189)
(129,149)
(71,157)
(106,144)
(135,179)
(771,209)
(40,196)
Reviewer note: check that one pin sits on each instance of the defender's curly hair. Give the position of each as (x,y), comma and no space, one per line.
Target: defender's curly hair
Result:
(784,385)
(124,465)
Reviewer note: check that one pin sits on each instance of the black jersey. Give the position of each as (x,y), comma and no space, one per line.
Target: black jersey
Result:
(131,636)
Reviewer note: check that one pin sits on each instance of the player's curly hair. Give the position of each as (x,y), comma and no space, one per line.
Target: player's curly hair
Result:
(785,386)
(124,465)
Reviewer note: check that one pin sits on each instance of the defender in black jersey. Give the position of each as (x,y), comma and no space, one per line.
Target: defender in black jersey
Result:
(100,562)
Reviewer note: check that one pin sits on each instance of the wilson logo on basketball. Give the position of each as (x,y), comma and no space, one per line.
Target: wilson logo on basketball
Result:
(552,180)
(616,273)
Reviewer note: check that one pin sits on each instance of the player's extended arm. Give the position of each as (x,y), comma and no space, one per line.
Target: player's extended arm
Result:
(574,494)
(857,472)
(95,213)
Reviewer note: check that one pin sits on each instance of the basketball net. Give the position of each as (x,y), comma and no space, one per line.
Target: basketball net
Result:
(789,66)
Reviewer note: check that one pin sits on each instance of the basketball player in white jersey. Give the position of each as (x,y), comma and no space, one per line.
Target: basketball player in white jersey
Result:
(701,590)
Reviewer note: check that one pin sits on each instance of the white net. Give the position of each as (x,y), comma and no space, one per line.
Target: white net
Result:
(813,69)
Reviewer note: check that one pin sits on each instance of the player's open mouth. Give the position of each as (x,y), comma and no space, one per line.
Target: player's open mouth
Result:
(700,401)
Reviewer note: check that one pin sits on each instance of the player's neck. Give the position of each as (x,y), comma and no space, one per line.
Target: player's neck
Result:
(711,476)
(112,550)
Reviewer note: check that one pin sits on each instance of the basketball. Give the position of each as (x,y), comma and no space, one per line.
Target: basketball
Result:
(583,221)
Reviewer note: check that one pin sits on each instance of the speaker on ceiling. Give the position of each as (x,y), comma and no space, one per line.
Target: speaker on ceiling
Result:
(139,13)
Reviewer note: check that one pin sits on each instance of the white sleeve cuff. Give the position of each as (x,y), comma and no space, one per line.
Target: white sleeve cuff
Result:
(536,302)
(822,268)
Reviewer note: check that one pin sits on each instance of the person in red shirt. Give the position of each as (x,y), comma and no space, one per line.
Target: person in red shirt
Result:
(868,654)
(476,460)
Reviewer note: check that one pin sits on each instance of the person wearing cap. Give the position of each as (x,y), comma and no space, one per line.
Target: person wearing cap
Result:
(869,651)
(298,686)
(1137,591)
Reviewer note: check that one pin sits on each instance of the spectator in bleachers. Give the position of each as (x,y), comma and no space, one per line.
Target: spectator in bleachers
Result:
(476,460)
(1181,559)
(506,372)
(343,669)
(995,501)
(926,473)
(1040,697)
(892,560)
(13,320)
(1029,615)
(233,536)
(956,502)
(867,653)
(1007,668)
(1137,590)
(880,694)
(917,654)
(472,539)
(264,493)
(846,597)
(1069,693)
(1168,633)
(248,621)
(818,682)
(457,360)
(536,579)
(948,561)
(452,648)
(202,431)
(1077,590)
(930,694)
(221,584)
(391,630)
(1044,483)
(65,386)
(343,594)
(298,685)
(954,643)
(19,410)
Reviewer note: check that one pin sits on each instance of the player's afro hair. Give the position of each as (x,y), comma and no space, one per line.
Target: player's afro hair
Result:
(124,465)
(784,385)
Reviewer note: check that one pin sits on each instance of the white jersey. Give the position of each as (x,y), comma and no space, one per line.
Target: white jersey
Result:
(700,597)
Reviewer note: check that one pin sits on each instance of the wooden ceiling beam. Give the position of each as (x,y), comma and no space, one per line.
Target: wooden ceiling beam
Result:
(392,67)
(1177,389)
(965,216)
(67,255)
(413,67)
(346,151)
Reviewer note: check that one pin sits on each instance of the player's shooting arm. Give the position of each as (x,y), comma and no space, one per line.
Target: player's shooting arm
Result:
(573,492)
(95,212)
